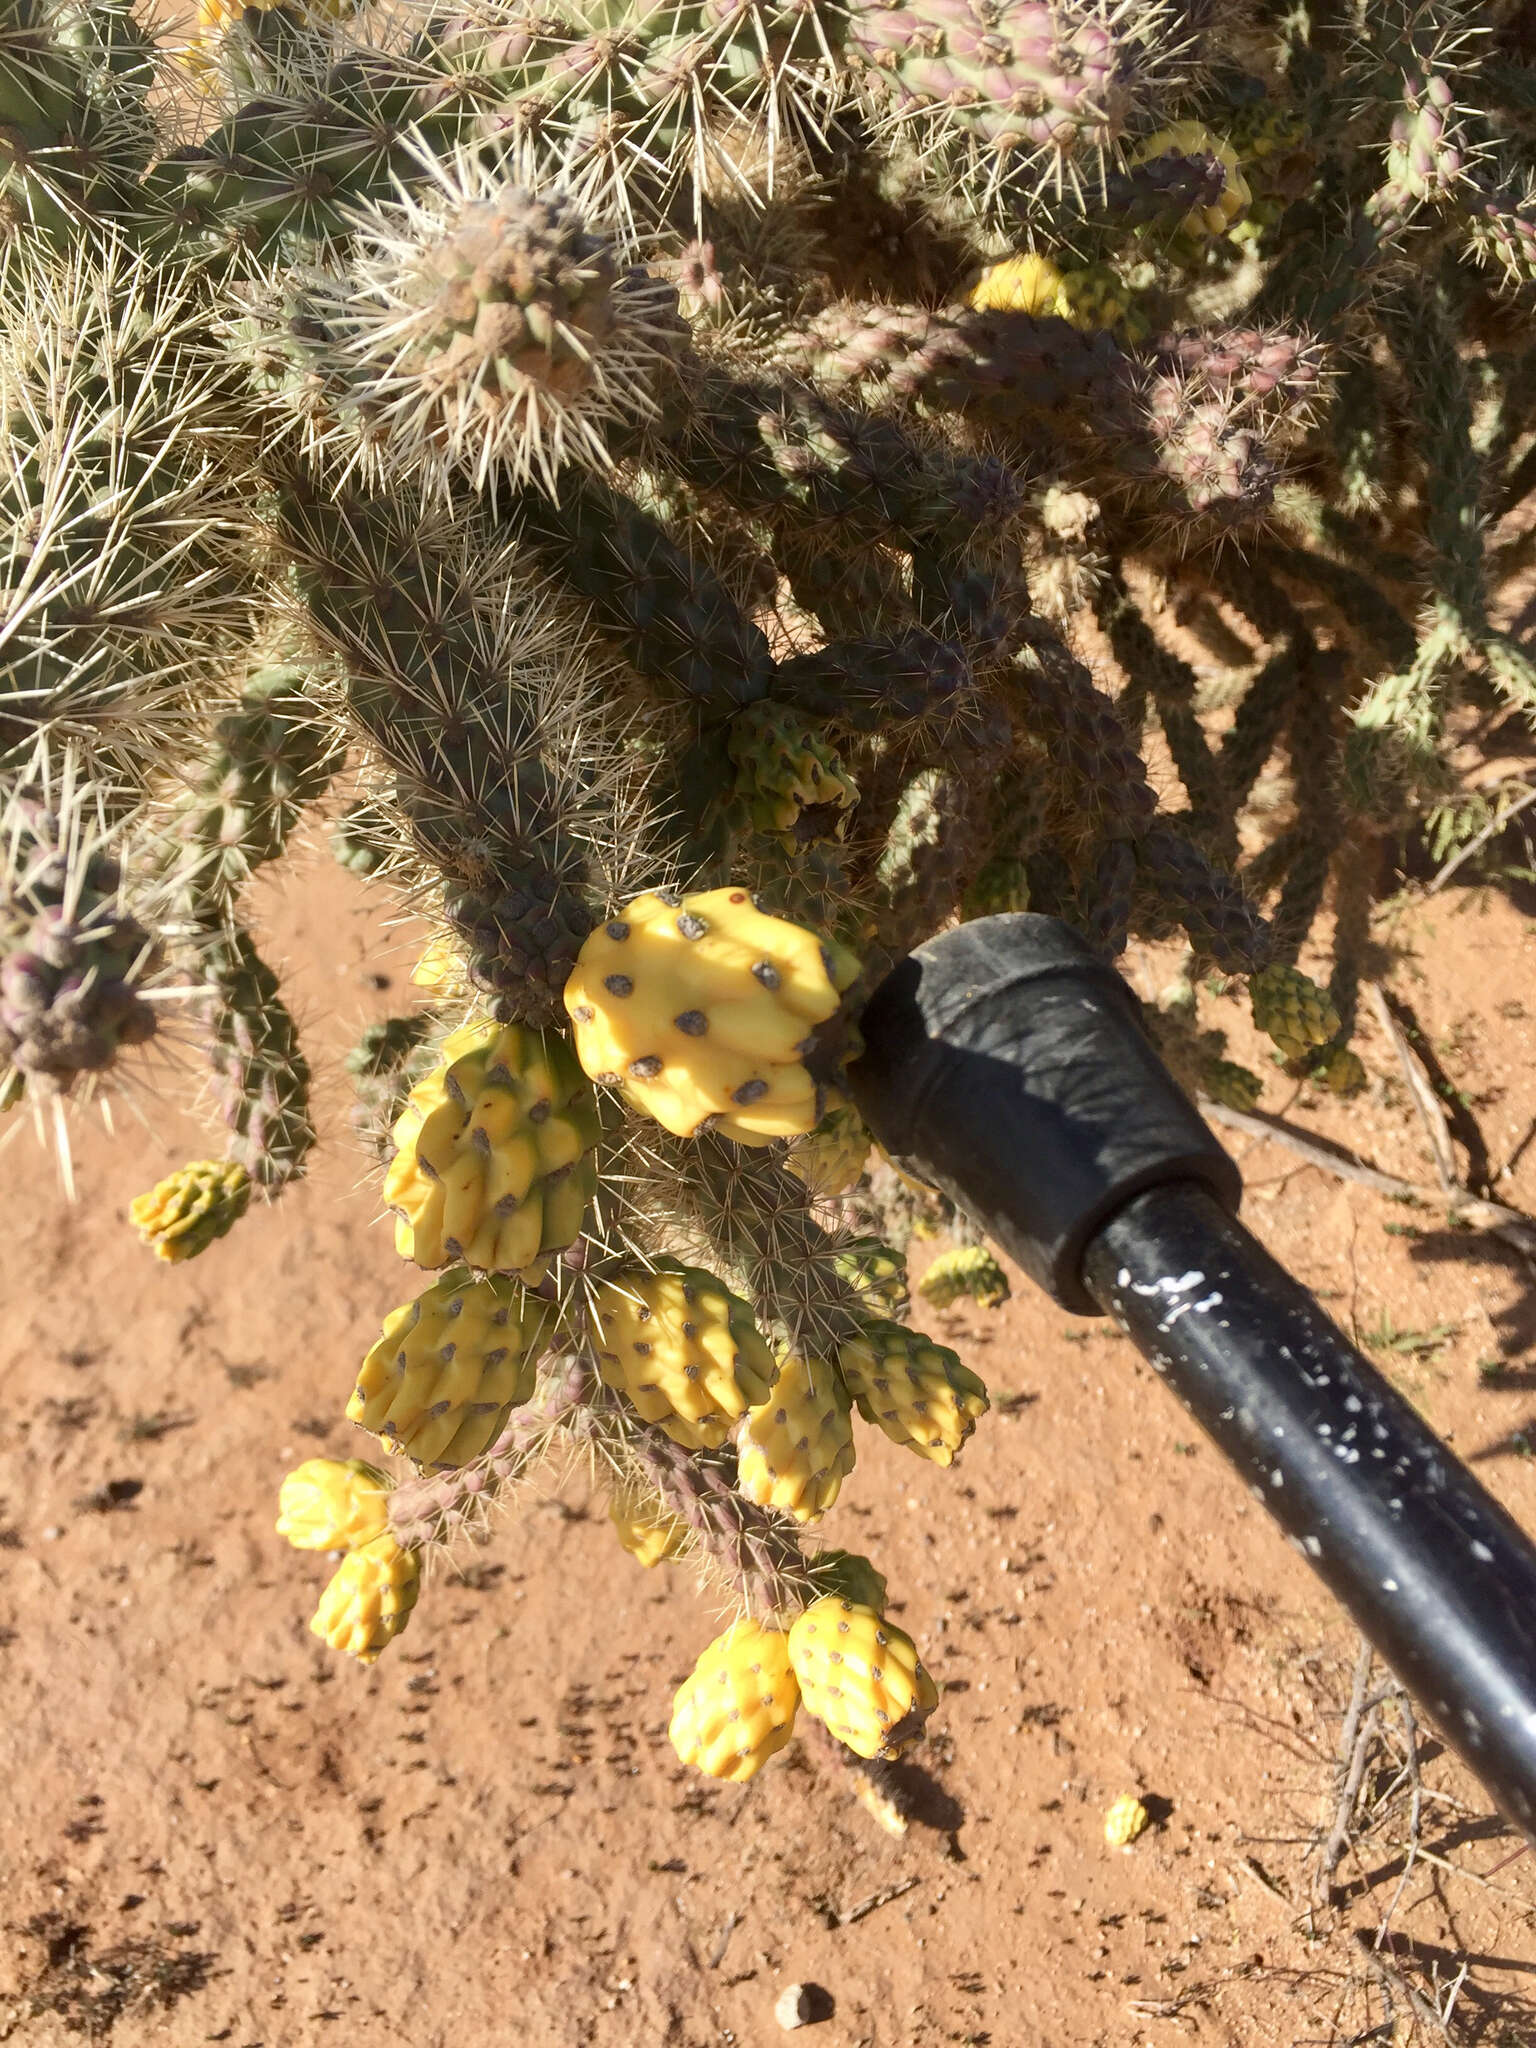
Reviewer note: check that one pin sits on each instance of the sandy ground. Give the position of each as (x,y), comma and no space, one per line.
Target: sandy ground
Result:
(215,1831)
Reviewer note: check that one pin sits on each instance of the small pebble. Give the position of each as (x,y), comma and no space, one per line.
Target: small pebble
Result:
(795,2008)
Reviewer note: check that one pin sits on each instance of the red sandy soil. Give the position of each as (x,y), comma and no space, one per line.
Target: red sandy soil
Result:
(217,1831)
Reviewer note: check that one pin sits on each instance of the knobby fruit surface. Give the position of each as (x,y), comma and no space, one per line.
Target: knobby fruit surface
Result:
(794,1450)
(861,1675)
(968,1272)
(703,1008)
(333,1504)
(450,1366)
(494,1166)
(737,1707)
(683,1349)
(369,1600)
(647,1532)
(187,1211)
(917,1391)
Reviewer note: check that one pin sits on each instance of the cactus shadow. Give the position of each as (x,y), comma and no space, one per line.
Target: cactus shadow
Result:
(922,1799)
(1515,1322)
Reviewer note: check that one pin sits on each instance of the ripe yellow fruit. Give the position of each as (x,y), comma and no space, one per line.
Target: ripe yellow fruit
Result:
(646,1532)
(968,1272)
(830,1159)
(369,1600)
(917,1391)
(440,969)
(1193,138)
(877,1270)
(1019,284)
(333,1504)
(683,1349)
(702,1008)
(451,1365)
(495,1163)
(1125,1820)
(794,1450)
(737,1707)
(861,1675)
(183,1214)
(1089,298)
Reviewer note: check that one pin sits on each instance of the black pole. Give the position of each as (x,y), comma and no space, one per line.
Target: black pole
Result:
(1006,1064)
(1434,1571)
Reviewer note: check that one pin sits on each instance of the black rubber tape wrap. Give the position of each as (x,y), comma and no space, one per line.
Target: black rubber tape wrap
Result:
(1007,1065)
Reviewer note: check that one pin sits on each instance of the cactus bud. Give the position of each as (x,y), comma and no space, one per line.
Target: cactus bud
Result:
(484,327)
(184,1213)
(333,1504)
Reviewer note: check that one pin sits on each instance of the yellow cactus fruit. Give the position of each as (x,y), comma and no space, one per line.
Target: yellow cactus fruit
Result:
(879,1805)
(1097,297)
(683,1349)
(701,1008)
(184,1213)
(830,1159)
(1125,1820)
(917,1391)
(789,782)
(1193,138)
(440,970)
(1290,1008)
(369,1600)
(333,1504)
(216,18)
(1090,297)
(1019,284)
(1233,1086)
(795,1449)
(877,1270)
(861,1675)
(495,1164)
(1264,129)
(1340,1070)
(737,1707)
(450,1366)
(646,1532)
(970,1271)
(846,1573)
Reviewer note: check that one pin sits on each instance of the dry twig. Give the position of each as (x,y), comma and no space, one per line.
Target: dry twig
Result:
(1469,1211)
(1360,1722)
(1415,1808)
(1425,1100)
(883,1897)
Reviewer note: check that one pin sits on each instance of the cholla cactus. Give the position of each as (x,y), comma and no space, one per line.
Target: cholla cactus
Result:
(676,463)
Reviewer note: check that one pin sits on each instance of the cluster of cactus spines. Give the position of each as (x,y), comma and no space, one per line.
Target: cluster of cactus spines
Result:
(265,760)
(126,529)
(737,487)
(482,327)
(76,964)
